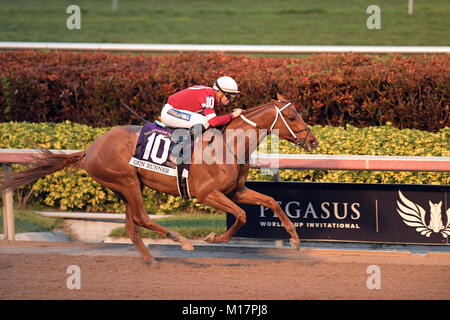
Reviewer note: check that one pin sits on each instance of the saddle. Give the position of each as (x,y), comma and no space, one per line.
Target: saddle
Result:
(166,150)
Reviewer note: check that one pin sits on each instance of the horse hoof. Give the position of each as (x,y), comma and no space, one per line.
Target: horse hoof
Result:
(152,264)
(211,237)
(295,243)
(187,246)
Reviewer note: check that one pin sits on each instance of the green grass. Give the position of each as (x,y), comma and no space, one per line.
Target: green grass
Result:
(30,221)
(289,22)
(191,226)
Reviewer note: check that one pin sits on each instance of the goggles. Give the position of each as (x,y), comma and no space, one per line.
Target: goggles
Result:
(229,95)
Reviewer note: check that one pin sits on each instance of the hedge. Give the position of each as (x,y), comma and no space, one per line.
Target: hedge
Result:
(409,91)
(77,191)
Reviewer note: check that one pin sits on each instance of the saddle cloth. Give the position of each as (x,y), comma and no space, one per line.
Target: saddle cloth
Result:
(153,153)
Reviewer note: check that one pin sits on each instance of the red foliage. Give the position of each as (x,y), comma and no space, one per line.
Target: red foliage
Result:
(329,89)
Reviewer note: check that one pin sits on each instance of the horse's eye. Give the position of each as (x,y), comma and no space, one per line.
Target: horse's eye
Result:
(292,118)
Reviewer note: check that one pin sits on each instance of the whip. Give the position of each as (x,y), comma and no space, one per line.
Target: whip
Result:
(134,113)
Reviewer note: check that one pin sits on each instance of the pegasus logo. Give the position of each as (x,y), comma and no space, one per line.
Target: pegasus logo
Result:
(436,217)
(413,215)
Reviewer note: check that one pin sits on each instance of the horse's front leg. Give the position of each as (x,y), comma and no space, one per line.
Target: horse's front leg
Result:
(248,196)
(219,201)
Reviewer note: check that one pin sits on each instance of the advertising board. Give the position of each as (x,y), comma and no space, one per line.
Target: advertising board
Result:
(385,213)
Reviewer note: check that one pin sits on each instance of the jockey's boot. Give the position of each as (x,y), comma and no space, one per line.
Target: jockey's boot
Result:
(196,130)
(189,138)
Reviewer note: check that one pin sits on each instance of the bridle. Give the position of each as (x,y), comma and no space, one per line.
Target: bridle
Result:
(278,115)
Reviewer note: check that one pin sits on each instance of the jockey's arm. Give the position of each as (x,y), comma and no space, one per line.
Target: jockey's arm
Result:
(215,120)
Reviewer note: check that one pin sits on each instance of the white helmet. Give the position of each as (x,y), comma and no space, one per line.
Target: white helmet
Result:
(226,85)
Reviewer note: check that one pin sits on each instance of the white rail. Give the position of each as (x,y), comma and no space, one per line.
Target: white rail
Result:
(296,161)
(351,162)
(137,47)
(270,161)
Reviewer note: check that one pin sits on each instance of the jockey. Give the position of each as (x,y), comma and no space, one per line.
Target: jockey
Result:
(195,105)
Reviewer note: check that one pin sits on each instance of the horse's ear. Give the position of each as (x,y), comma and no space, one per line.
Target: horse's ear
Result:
(281,98)
(277,103)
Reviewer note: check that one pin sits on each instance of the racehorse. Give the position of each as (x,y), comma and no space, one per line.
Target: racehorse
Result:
(220,185)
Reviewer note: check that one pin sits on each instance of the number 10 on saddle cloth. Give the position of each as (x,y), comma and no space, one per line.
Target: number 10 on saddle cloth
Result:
(153,152)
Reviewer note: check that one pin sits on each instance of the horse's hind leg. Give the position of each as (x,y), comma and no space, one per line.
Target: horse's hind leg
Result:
(138,216)
(134,233)
(130,192)
(128,189)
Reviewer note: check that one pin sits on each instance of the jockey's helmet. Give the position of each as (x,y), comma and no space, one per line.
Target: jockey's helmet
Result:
(227,85)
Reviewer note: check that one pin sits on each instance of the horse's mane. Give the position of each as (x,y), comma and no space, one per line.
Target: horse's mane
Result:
(247,113)
(255,109)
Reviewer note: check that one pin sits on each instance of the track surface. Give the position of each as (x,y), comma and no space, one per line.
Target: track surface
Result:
(38,270)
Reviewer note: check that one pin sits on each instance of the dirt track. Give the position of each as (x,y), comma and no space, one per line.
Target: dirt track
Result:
(38,270)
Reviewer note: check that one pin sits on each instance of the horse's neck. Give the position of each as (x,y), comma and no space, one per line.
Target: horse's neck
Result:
(261,116)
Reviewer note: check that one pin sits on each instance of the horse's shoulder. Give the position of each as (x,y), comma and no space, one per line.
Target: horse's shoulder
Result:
(131,127)
(128,128)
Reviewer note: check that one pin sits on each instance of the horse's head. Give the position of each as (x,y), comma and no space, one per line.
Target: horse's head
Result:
(290,125)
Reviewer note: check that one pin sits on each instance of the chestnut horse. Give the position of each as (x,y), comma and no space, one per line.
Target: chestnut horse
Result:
(219,185)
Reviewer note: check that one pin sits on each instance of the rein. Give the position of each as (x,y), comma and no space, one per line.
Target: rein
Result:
(279,114)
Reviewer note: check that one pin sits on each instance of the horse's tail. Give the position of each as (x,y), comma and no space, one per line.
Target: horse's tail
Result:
(43,164)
